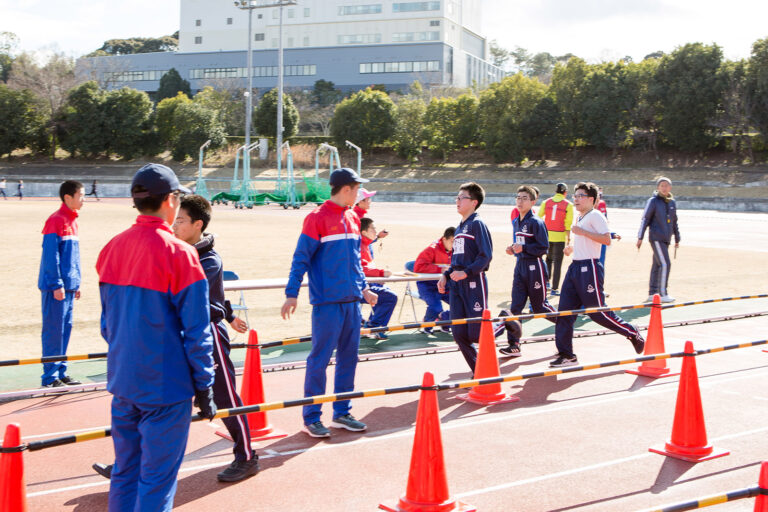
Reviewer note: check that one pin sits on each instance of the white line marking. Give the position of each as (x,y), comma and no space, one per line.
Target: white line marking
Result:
(384,435)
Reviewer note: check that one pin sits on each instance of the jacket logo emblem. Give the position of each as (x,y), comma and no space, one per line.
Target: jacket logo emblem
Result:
(590,289)
(478,307)
(537,285)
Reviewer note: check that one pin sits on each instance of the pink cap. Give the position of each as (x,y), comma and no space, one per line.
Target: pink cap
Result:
(364,194)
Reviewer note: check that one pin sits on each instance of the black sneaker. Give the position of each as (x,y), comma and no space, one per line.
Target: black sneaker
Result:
(55,384)
(348,422)
(498,326)
(563,361)
(638,342)
(239,470)
(513,350)
(104,470)
(69,381)
(317,429)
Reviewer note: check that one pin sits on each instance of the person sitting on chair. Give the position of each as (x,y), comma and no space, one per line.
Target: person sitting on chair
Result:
(434,260)
(387,299)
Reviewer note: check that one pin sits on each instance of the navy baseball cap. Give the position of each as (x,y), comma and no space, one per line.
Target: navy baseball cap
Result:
(345,176)
(157,180)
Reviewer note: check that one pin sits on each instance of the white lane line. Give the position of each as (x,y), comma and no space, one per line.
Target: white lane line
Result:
(599,465)
(386,435)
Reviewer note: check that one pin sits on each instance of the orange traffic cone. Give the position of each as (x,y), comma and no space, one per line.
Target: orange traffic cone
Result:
(761,503)
(253,393)
(487,366)
(654,344)
(13,494)
(689,434)
(427,484)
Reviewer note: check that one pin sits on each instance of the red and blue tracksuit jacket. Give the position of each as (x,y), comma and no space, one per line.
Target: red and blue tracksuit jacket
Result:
(329,252)
(427,263)
(60,263)
(155,316)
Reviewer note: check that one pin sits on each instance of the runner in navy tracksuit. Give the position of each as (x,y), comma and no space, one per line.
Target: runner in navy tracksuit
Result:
(465,278)
(59,281)
(583,284)
(329,251)
(660,217)
(155,318)
(531,243)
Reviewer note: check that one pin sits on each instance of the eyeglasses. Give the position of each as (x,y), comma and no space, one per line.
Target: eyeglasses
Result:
(523,198)
(580,195)
(460,198)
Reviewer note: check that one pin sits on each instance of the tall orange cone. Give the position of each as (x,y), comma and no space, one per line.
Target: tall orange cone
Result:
(427,484)
(487,366)
(689,434)
(761,503)
(253,393)
(13,494)
(654,344)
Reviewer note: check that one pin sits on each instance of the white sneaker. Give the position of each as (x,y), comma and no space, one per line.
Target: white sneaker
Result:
(666,298)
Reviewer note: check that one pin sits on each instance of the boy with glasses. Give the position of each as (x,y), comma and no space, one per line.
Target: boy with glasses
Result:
(531,242)
(583,283)
(465,277)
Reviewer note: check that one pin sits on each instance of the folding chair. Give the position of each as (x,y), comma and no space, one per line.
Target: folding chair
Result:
(410,292)
(228,275)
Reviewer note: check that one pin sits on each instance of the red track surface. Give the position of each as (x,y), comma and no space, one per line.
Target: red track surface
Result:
(573,442)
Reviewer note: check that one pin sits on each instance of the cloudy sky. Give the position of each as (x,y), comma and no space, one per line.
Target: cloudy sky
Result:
(593,29)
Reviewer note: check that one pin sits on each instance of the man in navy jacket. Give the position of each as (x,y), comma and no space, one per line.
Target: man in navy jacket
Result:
(465,277)
(660,218)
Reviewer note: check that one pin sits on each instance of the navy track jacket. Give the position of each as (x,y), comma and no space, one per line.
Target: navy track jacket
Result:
(472,247)
(221,309)
(660,217)
(531,233)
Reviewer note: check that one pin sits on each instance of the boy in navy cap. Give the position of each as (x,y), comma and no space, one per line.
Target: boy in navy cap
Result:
(329,251)
(154,299)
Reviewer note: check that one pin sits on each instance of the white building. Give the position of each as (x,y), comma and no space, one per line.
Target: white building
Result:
(353,43)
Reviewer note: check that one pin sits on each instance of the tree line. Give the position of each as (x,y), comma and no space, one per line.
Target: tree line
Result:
(690,100)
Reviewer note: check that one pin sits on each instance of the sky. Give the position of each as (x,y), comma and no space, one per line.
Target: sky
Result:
(596,30)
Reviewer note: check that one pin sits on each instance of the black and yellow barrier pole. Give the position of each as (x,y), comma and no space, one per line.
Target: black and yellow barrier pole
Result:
(320,399)
(708,501)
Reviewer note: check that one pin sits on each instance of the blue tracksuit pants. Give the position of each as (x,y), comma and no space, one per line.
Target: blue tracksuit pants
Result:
(334,326)
(467,299)
(385,305)
(57,327)
(225,393)
(660,268)
(583,288)
(149,447)
(530,282)
(434,299)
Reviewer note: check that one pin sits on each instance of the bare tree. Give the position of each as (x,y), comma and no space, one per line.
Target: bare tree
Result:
(51,82)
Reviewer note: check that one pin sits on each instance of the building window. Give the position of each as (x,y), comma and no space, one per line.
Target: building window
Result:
(415,6)
(406,37)
(291,13)
(434,23)
(260,16)
(306,12)
(198,39)
(198,23)
(359,39)
(274,42)
(290,42)
(349,10)
(258,37)
(229,21)
(258,72)
(133,76)
(275,14)
(306,40)
(400,67)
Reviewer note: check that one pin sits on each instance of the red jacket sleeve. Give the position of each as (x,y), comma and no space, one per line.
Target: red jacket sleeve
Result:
(425,263)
